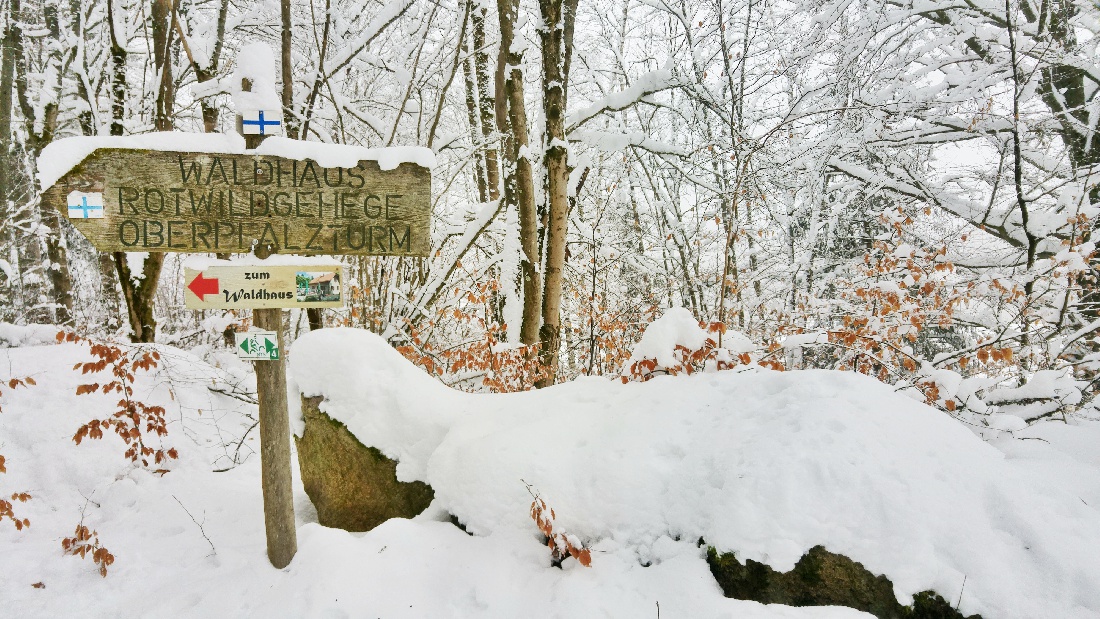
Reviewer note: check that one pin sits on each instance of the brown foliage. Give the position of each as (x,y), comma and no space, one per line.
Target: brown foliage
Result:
(557,541)
(85,542)
(7,506)
(482,362)
(133,420)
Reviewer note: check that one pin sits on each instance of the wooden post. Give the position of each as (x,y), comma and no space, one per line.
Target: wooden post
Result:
(282,536)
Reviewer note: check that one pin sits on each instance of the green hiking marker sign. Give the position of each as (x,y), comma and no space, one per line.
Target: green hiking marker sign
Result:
(258,346)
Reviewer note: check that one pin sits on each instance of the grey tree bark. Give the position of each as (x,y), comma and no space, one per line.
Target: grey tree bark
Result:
(519,186)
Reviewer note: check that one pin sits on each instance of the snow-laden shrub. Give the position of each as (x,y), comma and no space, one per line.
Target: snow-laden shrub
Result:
(677,343)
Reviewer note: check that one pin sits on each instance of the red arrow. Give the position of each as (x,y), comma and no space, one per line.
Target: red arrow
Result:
(202,287)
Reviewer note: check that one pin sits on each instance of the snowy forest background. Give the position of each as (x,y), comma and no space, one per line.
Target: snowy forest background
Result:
(899,188)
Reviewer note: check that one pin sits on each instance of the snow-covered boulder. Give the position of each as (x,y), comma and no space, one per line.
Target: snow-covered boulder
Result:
(353,486)
(766,464)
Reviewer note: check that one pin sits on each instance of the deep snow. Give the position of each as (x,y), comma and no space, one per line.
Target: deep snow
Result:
(763,463)
(767,464)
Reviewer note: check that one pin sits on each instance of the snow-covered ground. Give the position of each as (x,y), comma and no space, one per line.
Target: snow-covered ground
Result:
(762,463)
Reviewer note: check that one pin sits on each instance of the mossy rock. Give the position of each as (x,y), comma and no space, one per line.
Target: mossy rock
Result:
(823,578)
(353,486)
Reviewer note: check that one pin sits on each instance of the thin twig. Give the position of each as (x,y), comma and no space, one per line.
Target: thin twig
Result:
(961,589)
(197,524)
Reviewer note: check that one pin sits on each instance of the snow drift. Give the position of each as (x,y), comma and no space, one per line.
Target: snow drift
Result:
(191,543)
(762,463)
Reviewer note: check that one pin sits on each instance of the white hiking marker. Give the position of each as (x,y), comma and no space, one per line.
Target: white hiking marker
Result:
(261,122)
(85,205)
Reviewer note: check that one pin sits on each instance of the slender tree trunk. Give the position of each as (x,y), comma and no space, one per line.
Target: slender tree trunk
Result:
(475,128)
(108,266)
(314,315)
(290,121)
(40,127)
(60,280)
(205,73)
(519,187)
(118,73)
(140,293)
(556,50)
(162,60)
(7,83)
(485,100)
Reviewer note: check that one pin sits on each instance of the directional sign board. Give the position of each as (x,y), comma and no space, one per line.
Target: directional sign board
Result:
(258,345)
(258,287)
(143,200)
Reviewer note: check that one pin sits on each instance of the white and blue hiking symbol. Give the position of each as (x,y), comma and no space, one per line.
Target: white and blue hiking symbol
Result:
(258,122)
(85,205)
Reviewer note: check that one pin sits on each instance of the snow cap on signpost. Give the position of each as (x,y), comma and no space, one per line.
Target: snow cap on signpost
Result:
(259,106)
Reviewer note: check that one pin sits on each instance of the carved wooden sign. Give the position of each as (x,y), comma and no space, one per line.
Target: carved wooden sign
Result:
(144,200)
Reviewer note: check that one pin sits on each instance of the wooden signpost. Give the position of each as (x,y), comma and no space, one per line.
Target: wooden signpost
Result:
(131,200)
(145,200)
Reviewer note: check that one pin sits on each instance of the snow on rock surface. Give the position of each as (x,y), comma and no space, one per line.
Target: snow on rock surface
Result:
(762,463)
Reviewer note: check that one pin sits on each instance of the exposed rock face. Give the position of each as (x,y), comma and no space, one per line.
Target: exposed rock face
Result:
(822,578)
(354,487)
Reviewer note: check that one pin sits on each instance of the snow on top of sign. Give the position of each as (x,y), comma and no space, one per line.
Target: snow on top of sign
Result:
(256,63)
(61,156)
(346,155)
(766,464)
(199,262)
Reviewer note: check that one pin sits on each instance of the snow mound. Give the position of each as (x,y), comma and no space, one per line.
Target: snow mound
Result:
(677,327)
(256,63)
(27,335)
(192,541)
(762,463)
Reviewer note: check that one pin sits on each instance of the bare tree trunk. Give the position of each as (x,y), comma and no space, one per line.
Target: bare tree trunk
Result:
(118,74)
(7,83)
(475,128)
(108,267)
(140,293)
(58,270)
(290,121)
(486,105)
(85,118)
(209,71)
(314,315)
(162,60)
(40,132)
(557,44)
(12,34)
(519,187)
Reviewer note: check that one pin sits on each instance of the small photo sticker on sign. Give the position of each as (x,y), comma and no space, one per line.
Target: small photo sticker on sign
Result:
(314,286)
(85,205)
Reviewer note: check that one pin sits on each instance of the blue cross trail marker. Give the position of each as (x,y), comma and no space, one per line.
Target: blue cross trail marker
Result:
(249,125)
(79,208)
